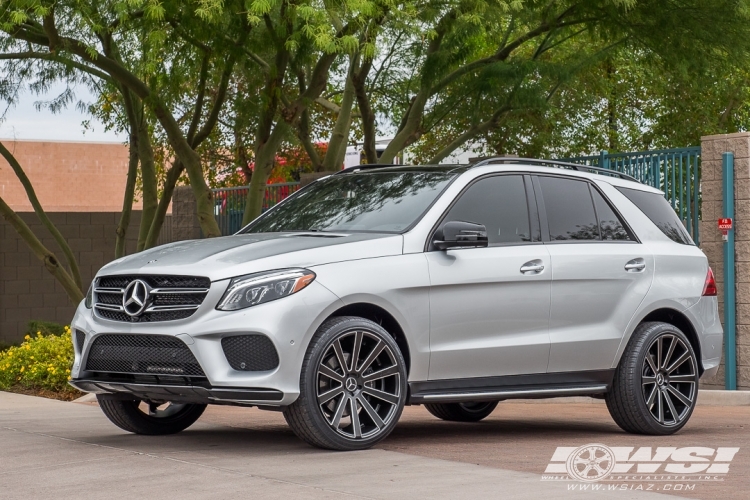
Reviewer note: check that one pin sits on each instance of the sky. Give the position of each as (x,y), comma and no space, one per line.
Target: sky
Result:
(23,121)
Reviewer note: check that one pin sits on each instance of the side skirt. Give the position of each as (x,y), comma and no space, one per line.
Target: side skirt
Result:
(542,385)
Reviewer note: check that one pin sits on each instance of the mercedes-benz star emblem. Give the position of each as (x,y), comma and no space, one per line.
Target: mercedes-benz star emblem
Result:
(135,298)
(351,384)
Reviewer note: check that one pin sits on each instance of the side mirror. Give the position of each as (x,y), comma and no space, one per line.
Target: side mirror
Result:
(459,234)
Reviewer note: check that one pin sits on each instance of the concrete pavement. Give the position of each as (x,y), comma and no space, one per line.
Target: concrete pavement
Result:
(54,449)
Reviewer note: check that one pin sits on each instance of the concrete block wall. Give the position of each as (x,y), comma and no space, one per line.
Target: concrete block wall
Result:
(28,291)
(712,148)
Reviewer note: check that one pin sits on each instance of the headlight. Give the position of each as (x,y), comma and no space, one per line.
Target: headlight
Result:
(89,300)
(258,288)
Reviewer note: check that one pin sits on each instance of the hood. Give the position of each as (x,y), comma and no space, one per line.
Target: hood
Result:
(230,256)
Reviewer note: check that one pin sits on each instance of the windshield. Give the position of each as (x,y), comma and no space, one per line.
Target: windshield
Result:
(385,202)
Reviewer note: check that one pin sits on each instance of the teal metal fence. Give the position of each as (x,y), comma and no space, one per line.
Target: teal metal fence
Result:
(674,171)
(230,203)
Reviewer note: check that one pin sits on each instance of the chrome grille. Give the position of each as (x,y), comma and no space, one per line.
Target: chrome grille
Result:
(169,298)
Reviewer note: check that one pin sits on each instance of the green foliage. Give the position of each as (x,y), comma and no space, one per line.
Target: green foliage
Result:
(45,328)
(40,362)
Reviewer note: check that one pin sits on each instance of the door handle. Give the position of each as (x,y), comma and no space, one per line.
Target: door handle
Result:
(635,265)
(532,267)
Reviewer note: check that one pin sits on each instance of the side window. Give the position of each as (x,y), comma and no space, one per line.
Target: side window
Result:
(569,208)
(611,226)
(498,202)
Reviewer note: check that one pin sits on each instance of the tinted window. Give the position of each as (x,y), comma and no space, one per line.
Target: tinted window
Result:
(660,212)
(499,203)
(570,210)
(612,228)
(374,201)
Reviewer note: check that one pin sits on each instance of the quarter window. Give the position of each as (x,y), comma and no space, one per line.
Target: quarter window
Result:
(569,208)
(660,212)
(498,202)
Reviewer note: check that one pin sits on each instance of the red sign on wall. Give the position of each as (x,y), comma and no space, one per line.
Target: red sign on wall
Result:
(725,224)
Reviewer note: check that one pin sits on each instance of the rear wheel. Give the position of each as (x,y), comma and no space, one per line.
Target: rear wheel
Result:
(352,386)
(462,412)
(655,386)
(152,419)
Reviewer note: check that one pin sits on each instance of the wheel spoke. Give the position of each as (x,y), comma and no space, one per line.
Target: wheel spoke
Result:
(648,380)
(371,412)
(383,396)
(356,426)
(672,409)
(660,406)
(659,350)
(684,357)
(664,362)
(680,396)
(355,352)
(340,355)
(385,372)
(372,356)
(652,397)
(331,373)
(683,379)
(336,421)
(327,396)
(651,364)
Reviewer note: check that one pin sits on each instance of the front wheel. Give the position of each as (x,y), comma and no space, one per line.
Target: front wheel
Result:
(152,419)
(655,386)
(462,412)
(352,386)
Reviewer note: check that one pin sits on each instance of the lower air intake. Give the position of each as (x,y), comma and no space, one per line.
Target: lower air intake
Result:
(250,353)
(142,354)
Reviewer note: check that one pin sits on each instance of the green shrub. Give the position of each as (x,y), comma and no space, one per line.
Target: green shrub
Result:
(39,363)
(45,328)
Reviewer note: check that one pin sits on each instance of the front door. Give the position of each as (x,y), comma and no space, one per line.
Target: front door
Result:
(489,307)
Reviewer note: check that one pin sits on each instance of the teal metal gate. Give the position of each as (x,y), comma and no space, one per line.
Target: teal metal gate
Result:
(674,171)
(230,203)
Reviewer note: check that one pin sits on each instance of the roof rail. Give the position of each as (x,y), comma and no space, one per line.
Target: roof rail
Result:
(554,163)
(369,166)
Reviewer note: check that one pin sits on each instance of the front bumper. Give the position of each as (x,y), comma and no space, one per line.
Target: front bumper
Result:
(181,393)
(289,323)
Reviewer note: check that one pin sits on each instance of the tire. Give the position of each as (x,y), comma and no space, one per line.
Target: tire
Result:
(462,412)
(127,415)
(328,376)
(649,397)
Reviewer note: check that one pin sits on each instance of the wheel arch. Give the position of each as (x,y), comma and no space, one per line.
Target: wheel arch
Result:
(681,321)
(382,317)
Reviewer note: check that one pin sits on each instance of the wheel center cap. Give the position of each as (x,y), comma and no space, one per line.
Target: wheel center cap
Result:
(660,379)
(351,384)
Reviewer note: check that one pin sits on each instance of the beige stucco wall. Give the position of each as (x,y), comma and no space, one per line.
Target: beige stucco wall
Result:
(67,176)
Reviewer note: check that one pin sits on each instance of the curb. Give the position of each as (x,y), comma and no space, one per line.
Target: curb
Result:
(706,397)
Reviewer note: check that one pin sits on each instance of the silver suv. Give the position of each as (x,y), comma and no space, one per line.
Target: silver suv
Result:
(455,287)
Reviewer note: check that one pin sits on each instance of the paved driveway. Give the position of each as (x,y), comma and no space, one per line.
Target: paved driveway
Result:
(52,449)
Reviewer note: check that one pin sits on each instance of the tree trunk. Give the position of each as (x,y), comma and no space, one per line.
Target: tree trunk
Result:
(127,202)
(365,111)
(337,144)
(148,178)
(173,175)
(40,213)
(48,258)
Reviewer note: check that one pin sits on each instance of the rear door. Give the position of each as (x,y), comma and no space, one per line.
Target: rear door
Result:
(601,273)
(489,307)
